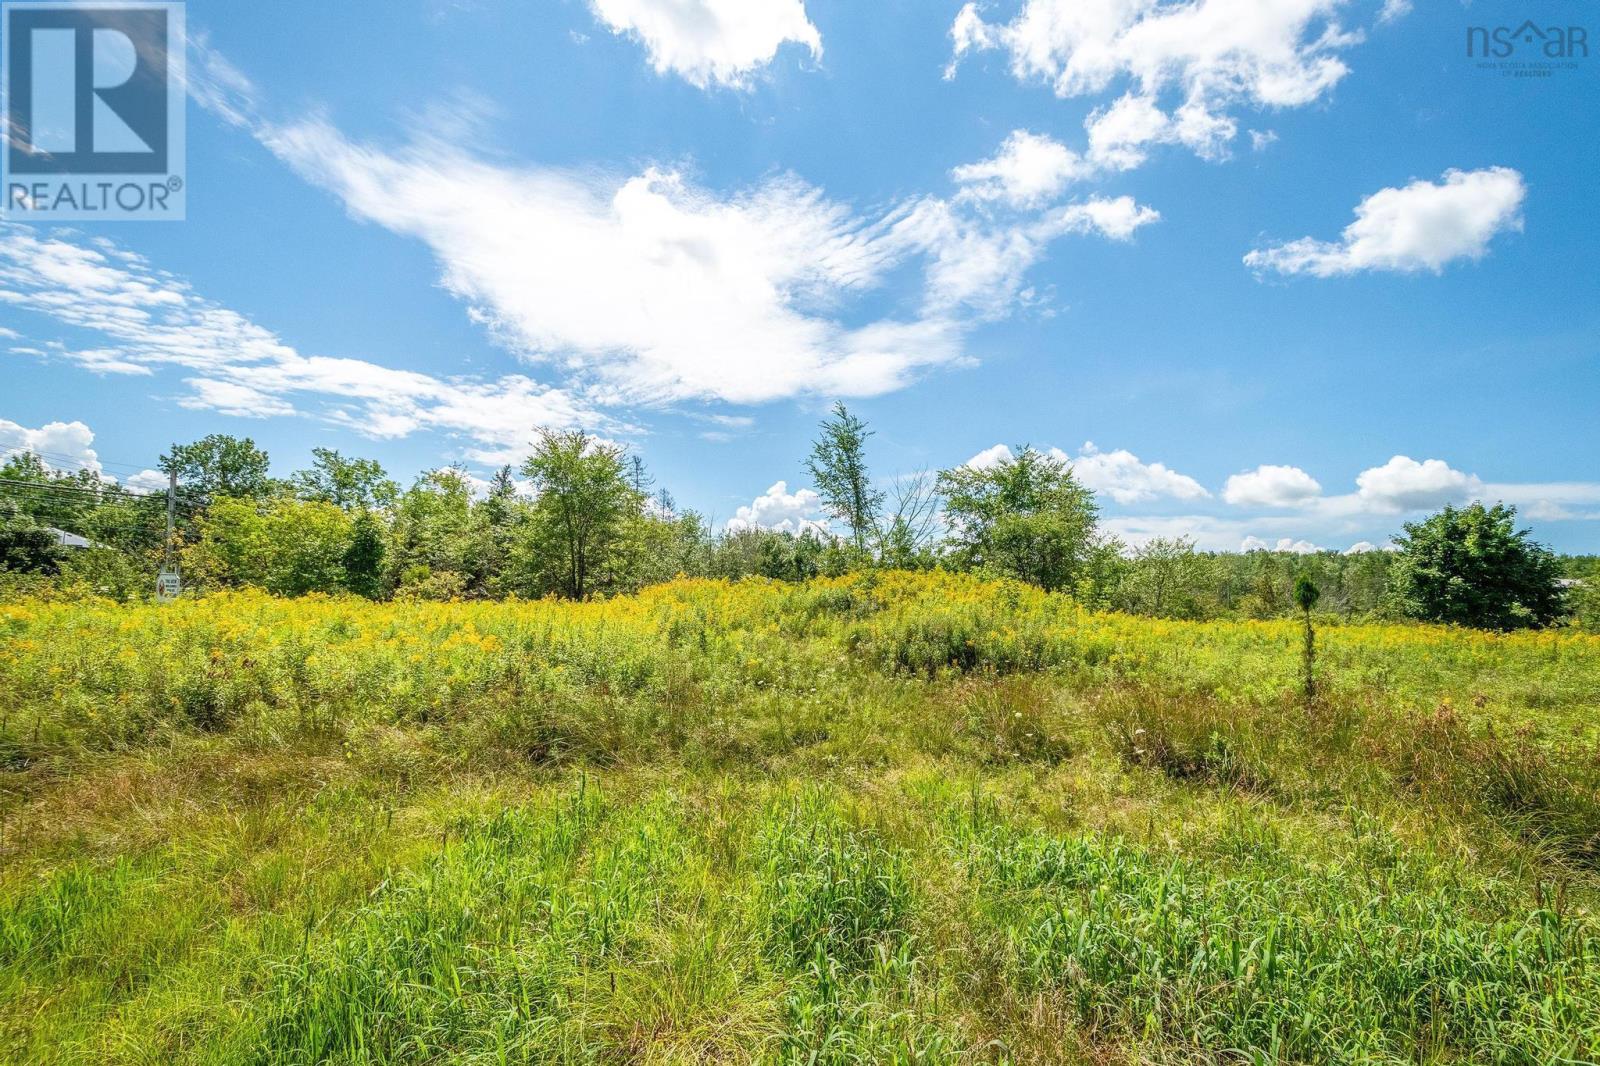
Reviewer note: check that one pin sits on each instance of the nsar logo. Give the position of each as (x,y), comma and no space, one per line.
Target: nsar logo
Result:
(1528,50)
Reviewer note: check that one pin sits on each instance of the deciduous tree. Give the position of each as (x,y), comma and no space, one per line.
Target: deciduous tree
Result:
(1025,517)
(1471,566)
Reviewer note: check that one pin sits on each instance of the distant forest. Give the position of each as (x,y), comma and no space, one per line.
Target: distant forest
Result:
(586,519)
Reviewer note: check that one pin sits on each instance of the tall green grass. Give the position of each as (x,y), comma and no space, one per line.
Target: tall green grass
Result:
(911,820)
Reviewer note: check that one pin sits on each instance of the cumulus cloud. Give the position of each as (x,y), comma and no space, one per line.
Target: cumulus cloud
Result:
(1119,474)
(1282,544)
(781,510)
(1210,57)
(990,457)
(1271,486)
(1030,169)
(1422,226)
(1403,484)
(1126,479)
(146,481)
(711,42)
(1361,547)
(63,445)
(155,320)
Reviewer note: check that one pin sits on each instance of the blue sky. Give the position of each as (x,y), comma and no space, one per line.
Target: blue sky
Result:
(1298,269)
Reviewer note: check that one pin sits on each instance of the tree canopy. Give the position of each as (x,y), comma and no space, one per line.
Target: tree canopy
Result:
(1471,566)
(838,464)
(1025,516)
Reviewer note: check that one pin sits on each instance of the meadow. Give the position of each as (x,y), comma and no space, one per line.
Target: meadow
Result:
(886,818)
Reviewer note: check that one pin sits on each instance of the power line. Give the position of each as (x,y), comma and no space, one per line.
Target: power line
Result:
(64,486)
(60,457)
(108,488)
(66,496)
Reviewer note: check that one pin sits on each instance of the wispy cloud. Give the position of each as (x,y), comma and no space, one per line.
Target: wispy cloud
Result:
(645,288)
(147,319)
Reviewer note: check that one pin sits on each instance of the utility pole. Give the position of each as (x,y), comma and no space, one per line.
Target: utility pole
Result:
(168,583)
(172,508)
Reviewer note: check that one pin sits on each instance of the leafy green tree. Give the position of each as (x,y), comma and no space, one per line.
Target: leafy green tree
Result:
(220,465)
(1025,517)
(1585,599)
(787,556)
(57,498)
(25,545)
(289,547)
(233,545)
(363,559)
(311,540)
(582,512)
(1167,579)
(1104,569)
(1471,566)
(838,464)
(104,571)
(430,542)
(347,483)
(494,529)
(663,545)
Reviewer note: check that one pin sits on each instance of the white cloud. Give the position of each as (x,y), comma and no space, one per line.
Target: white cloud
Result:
(155,320)
(1403,484)
(990,457)
(1118,474)
(645,288)
(232,398)
(1030,169)
(1361,547)
(1548,501)
(1206,532)
(1400,486)
(1394,10)
(710,42)
(62,445)
(1283,544)
(147,481)
(782,510)
(1121,475)
(1261,140)
(1422,226)
(980,267)
(1271,486)
(1212,56)
(650,289)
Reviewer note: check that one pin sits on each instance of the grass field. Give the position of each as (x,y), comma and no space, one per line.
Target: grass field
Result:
(891,818)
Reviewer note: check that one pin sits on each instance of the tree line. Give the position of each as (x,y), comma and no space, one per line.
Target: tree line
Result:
(587,520)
